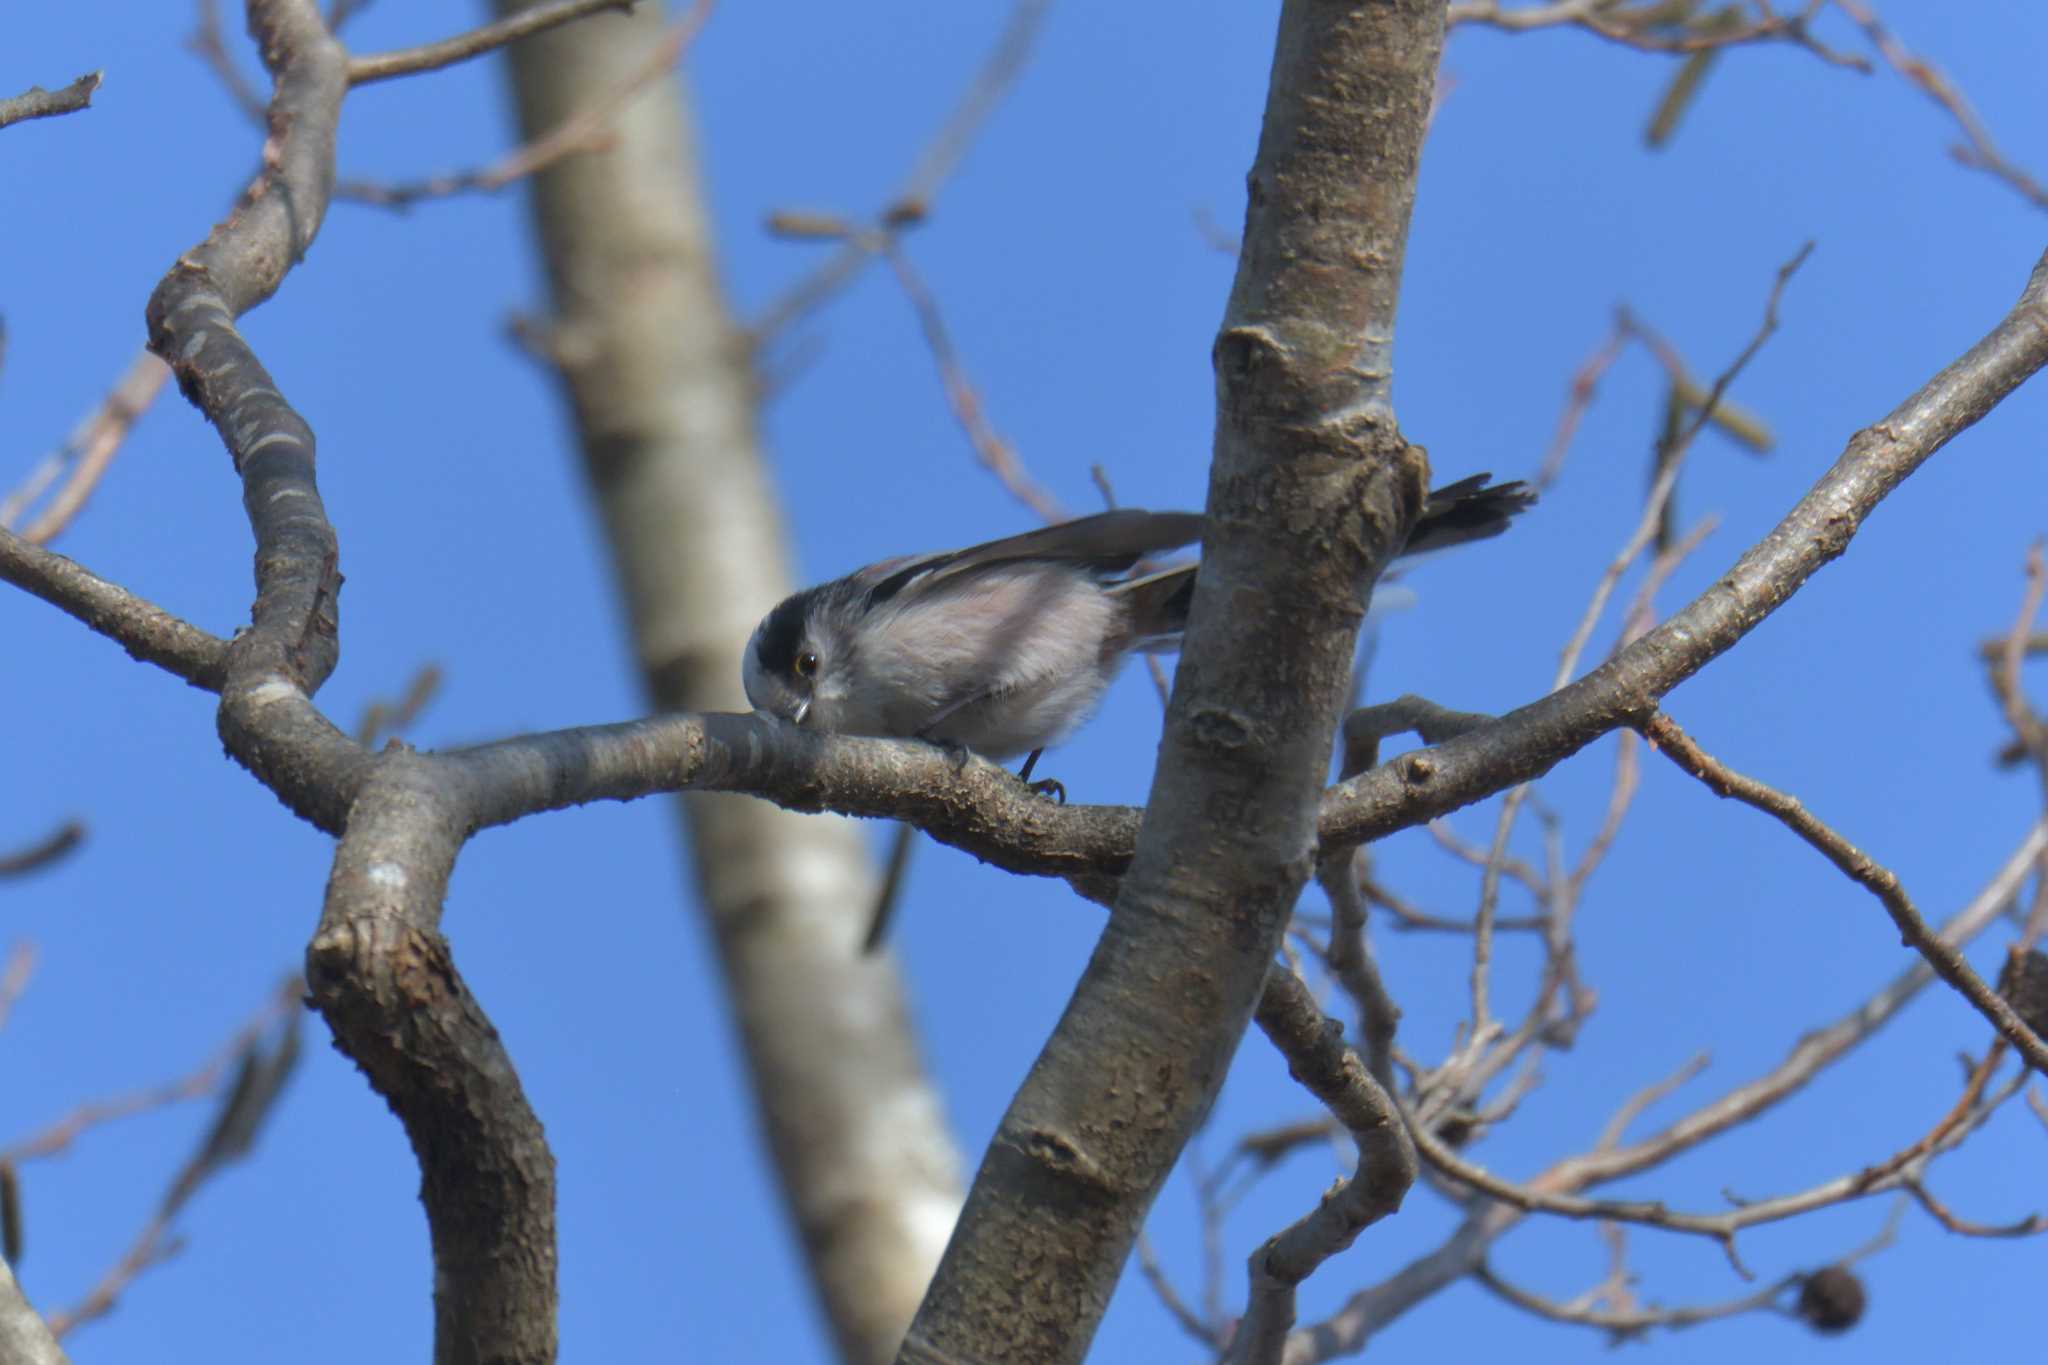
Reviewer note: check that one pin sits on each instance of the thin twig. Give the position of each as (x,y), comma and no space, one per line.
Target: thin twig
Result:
(1980,152)
(209,45)
(588,129)
(20,966)
(1633,1107)
(941,157)
(1649,27)
(997,455)
(1624,1323)
(245,1106)
(383,66)
(1170,1299)
(2003,658)
(1653,510)
(58,1136)
(1585,382)
(44,851)
(89,450)
(1859,867)
(382,718)
(1646,530)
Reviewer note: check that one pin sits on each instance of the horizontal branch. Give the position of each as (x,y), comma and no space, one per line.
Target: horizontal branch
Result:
(977,806)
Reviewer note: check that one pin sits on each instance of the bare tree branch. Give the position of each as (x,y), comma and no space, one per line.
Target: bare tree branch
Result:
(14,977)
(1979,151)
(36,102)
(1415,787)
(1318,1057)
(913,203)
(89,450)
(997,455)
(1464,1251)
(1858,867)
(1654,26)
(208,43)
(534,19)
(387,987)
(44,851)
(586,128)
(245,1106)
(146,631)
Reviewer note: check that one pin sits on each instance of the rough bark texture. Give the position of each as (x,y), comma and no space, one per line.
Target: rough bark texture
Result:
(24,1337)
(662,396)
(1310,489)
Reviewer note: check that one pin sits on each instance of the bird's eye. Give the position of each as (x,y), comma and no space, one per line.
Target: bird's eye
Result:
(806,664)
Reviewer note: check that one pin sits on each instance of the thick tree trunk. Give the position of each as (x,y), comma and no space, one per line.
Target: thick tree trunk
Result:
(661,391)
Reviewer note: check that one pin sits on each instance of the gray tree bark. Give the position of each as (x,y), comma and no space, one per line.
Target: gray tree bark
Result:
(1311,489)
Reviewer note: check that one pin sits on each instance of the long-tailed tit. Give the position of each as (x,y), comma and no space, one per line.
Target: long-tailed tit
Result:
(1005,648)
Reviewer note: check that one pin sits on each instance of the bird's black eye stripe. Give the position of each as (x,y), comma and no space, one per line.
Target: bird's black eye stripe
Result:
(782,634)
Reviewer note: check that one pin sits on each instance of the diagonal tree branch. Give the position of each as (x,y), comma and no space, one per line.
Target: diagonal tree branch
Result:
(1859,867)
(36,102)
(1415,787)
(524,23)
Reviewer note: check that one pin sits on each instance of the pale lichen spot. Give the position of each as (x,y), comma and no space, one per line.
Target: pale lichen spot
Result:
(386,876)
(273,689)
(274,438)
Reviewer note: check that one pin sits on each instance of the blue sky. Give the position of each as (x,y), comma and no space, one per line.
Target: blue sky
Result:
(1083,299)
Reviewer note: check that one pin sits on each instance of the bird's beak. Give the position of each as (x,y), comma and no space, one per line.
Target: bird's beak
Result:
(803,708)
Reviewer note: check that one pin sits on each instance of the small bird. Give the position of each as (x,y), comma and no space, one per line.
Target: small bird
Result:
(1005,648)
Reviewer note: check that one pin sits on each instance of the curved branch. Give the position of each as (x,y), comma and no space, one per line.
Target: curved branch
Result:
(1351,1327)
(266,716)
(382,975)
(377,969)
(1320,1059)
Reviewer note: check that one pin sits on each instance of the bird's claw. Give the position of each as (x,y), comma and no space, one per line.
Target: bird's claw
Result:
(1050,786)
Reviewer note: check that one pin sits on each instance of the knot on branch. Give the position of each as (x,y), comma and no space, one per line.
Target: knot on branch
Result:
(1056,1154)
